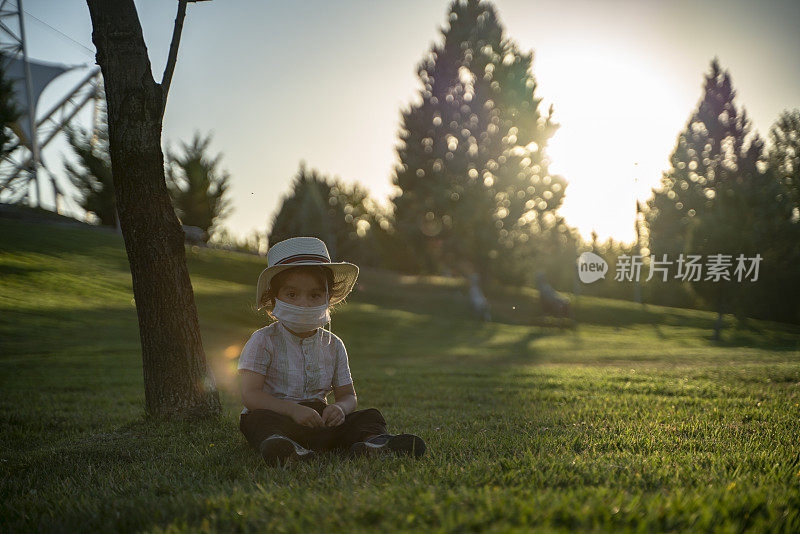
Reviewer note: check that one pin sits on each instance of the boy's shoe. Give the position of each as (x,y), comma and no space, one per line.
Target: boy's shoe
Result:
(399,444)
(280,449)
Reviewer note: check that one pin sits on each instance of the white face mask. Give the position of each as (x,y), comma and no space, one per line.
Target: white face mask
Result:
(302,318)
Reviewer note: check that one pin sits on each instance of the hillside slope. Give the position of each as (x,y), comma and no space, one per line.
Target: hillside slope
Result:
(634,419)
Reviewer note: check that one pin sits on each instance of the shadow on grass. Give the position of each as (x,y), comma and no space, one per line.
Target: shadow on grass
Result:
(767,340)
(52,330)
(49,239)
(520,307)
(147,473)
(396,333)
(434,299)
(16,270)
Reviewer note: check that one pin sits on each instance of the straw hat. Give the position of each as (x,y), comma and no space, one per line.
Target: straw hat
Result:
(297,251)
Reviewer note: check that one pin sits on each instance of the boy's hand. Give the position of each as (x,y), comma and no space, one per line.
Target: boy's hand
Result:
(333,415)
(306,416)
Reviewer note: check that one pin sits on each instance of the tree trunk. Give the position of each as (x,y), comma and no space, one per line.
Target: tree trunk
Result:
(718,326)
(177,380)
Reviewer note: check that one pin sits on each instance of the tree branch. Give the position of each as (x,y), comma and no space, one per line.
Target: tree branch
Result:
(173,54)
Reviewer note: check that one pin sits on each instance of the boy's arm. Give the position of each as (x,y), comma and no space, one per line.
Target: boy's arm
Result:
(254,398)
(346,397)
(345,394)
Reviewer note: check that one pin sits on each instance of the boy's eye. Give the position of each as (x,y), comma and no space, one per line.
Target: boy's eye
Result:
(291,294)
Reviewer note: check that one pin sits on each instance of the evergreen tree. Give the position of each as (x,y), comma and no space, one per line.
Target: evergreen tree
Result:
(197,188)
(784,155)
(325,208)
(718,198)
(91,173)
(690,185)
(472,178)
(353,221)
(305,211)
(784,162)
(9,113)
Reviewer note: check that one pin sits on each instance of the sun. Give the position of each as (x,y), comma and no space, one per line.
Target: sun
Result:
(620,117)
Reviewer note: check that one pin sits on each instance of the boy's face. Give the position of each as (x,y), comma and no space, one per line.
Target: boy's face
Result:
(302,289)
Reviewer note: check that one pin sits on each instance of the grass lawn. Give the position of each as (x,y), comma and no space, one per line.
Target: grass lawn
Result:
(635,420)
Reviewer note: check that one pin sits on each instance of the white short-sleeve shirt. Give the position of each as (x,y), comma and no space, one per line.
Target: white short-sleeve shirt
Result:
(296,368)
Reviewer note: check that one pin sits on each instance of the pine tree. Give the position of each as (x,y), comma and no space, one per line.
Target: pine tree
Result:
(718,197)
(197,189)
(783,270)
(91,174)
(473,179)
(339,214)
(9,113)
(784,155)
(304,211)
(690,185)
(353,221)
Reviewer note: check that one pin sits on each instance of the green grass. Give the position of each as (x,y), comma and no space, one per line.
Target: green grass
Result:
(634,420)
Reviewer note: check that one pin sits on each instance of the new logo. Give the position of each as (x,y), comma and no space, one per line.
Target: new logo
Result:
(591,267)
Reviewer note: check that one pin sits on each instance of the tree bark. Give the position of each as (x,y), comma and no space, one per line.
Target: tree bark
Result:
(177,380)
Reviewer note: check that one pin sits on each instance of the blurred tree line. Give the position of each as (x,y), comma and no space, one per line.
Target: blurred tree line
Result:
(473,193)
(351,224)
(727,193)
(197,187)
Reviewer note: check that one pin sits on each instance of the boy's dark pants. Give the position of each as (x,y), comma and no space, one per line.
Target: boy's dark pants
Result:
(257,425)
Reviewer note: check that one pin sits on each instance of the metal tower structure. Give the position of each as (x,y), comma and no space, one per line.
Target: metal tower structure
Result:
(22,164)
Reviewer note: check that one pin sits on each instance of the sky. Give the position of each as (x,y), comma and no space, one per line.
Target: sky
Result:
(324,82)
